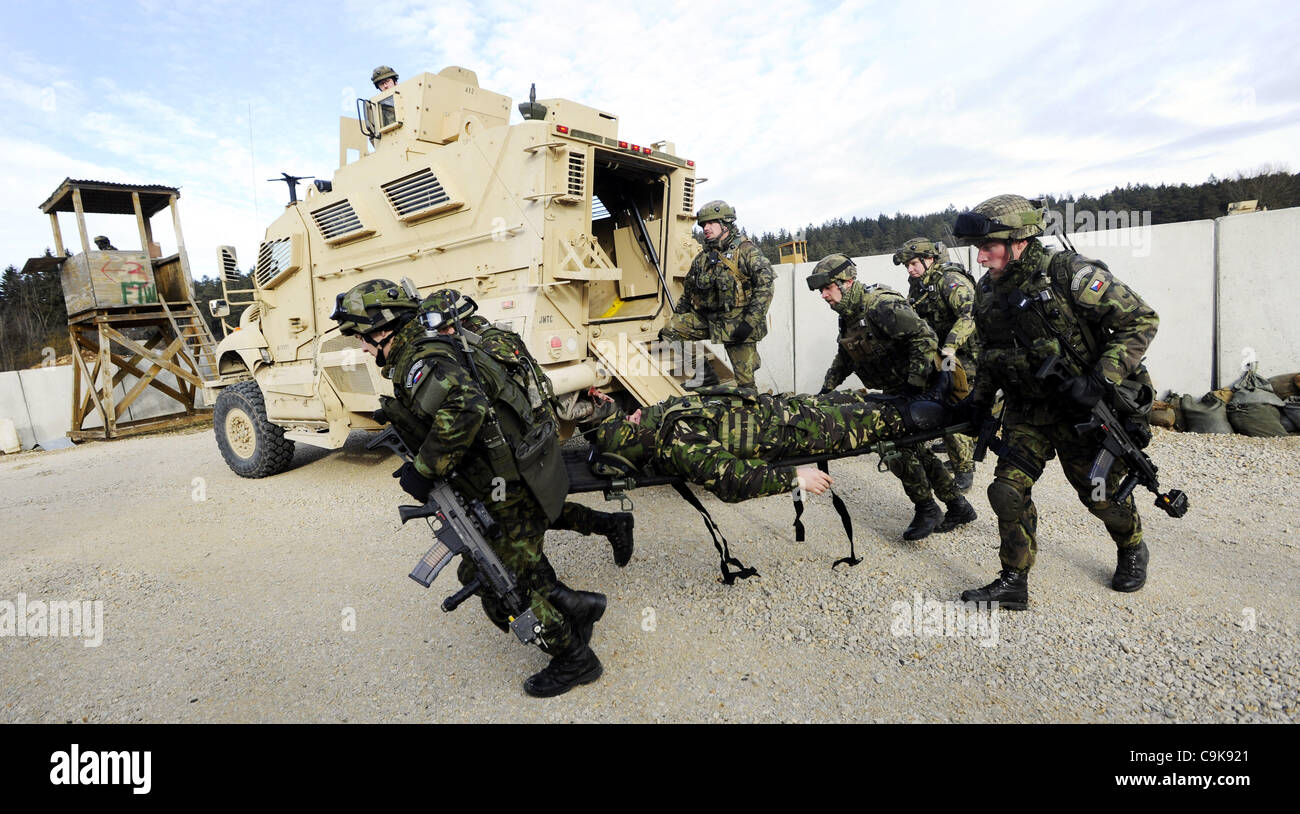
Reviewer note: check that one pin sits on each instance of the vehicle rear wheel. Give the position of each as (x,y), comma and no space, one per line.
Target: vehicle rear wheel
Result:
(252,446)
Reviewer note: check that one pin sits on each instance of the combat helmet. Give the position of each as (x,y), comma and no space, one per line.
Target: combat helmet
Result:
(1003,217)
(371,306)
(381,73)
(444,307)
(716,210)
(917,247)
(833,268)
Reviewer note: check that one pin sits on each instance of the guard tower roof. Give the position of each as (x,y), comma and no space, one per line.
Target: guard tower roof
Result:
(107,198)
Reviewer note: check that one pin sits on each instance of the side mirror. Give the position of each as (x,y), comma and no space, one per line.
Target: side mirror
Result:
(219,308)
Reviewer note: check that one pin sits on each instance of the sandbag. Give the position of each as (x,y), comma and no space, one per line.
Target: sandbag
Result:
(1207,414)
(1253,388)
(1286,385)
(1291,412)
(1163,415)
(1256,419)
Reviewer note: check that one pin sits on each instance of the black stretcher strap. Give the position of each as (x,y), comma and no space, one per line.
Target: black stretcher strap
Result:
(724,551)
(840,508)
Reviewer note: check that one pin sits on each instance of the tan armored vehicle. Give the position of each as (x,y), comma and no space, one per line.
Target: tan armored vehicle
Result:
(575,238)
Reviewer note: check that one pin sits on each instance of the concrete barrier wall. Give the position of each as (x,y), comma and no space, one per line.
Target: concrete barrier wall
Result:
(1172,266)
(1259,293)
(40,402)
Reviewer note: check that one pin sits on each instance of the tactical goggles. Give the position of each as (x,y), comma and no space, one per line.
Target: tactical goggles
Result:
(820,279)
(349,321)
(974,225)
(464,308)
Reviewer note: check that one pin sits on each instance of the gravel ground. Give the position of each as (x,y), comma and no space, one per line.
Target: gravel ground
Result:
(227,599)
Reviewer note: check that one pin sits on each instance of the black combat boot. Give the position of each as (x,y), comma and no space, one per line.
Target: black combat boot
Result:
(1131,568)
(583,608)
(959,513)
(569,668)
(926,518)
(617,526)
(962,481)
(1010,590)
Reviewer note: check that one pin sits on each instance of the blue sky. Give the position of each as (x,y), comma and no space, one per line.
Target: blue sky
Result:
(796,112)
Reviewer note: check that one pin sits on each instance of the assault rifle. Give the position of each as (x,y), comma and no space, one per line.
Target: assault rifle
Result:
(462,528)
(1115,445)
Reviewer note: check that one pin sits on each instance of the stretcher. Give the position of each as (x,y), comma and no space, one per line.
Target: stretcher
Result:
(579,460)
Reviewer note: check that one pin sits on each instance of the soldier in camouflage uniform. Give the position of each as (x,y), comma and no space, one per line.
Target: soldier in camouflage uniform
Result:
(726,293)
(943,294)
(890,348)
(1028,292)
(728,439)
(447,390)
(618,527)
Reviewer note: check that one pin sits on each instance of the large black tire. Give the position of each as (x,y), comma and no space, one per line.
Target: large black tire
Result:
(252,446)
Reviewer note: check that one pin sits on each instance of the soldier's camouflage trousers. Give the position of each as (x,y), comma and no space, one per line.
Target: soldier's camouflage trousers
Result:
(576,517)
(1010,494)
(961,452)
(922,474)
(691,327)
(523,525)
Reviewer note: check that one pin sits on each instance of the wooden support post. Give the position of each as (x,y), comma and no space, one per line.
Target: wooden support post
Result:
(105,372)
(58,236)
(180,248)
(141,224)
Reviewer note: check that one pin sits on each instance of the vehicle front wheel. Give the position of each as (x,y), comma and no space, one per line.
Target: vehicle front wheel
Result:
(252,446)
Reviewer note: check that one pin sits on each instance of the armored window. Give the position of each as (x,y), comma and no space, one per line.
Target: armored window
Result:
(387,113)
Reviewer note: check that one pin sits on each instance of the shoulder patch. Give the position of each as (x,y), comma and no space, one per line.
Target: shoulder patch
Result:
(1078,278)
(1095,282)
(414,374)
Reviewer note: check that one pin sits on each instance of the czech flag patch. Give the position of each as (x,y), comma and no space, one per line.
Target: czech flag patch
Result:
(1097,285)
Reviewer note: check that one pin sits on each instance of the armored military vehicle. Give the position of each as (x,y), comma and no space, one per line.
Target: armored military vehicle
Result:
(557,226)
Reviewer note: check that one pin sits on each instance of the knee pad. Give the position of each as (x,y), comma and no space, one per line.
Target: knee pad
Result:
(1007,502)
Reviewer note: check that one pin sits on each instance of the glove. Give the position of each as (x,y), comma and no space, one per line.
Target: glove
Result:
(1084,390)
(413,483)
(976,413)
(941,388)
(742,333)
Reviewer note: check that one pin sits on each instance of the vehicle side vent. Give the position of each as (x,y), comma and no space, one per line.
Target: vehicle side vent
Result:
(337,220)
(577,174)
(229,271)
(688,196)
(274,262)
(418,195)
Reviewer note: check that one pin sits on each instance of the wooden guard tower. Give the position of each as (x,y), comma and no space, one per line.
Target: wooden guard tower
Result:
(133,309)
(794,251)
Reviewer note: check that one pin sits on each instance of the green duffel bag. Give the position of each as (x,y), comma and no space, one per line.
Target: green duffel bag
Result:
(1256,419)
(1206,414)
